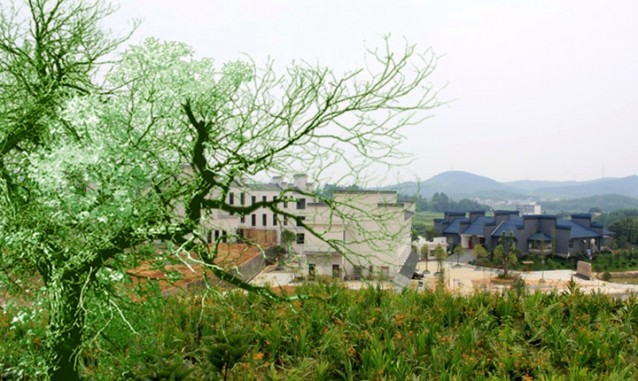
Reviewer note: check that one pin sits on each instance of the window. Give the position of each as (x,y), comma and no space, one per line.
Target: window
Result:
(299,219)
(285,220)
(264,219)
(231,198)
(253,220)
(242,198)
(209,237)
(216,235)
(357,271)
(285,202)
(264,198)
(274,220)
(301,238)
(336,271)
(242,219)
(301,203)
(253,200)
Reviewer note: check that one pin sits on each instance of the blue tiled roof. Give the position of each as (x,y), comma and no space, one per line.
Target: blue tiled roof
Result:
(455,226)
(508,227)
(539,236)
(510,212)
(562,224)
(579,231)
(476,228)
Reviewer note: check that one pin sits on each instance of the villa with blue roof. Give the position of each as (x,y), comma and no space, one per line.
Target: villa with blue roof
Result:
(531,233)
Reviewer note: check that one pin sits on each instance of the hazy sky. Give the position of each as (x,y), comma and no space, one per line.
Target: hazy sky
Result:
(538,89)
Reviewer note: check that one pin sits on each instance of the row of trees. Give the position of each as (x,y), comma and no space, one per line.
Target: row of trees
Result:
(625,232)
(504,254)
(102,154)
(440,202)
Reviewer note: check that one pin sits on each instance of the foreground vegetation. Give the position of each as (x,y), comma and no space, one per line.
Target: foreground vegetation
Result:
(342,334)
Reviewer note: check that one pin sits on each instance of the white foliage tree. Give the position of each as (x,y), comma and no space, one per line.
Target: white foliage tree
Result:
(91,171)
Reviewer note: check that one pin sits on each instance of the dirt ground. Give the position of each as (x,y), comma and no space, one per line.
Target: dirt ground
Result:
(467,279)
(229,257)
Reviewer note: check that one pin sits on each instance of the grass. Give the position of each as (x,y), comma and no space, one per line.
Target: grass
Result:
(426,218)
(335,333)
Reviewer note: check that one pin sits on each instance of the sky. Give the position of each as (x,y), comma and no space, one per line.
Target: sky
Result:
(538,90)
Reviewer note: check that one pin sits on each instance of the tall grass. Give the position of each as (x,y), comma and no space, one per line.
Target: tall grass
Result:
(368,334)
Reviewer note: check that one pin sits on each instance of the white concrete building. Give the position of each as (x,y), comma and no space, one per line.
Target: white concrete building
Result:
(530,208)
(263,225)
(370,227)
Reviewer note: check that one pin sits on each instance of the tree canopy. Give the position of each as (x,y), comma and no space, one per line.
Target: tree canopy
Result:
(92,169)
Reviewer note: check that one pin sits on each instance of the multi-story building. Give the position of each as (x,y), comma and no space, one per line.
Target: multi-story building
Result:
(529,208)
(362,234)
(262,226)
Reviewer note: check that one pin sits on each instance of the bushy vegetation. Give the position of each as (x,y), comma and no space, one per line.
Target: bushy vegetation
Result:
(620,260)
(342,334)
(440,202)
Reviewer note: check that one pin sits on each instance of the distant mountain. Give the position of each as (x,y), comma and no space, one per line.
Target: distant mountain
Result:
(606,203)
(626,186)
(459,184)
(455,184)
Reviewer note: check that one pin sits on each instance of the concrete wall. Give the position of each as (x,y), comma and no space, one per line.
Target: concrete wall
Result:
(562,241)
(374,229)
(249,269)
(264,218)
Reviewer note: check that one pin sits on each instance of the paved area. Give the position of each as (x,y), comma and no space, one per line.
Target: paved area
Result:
(273,277)
(467,279)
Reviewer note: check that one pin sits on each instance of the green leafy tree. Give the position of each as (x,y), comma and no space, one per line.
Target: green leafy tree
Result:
(505,254)
(92,171)
(458,251)
(430,233)
(440,202)
(480,253)
(287,238)
(625,232)
(440,255)
(425,255)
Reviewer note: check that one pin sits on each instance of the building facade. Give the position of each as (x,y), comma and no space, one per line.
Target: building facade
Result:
(360,234)
(364,234)
(530,233)
(262,226)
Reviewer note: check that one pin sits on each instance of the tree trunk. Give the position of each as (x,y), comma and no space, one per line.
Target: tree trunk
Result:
(65,326)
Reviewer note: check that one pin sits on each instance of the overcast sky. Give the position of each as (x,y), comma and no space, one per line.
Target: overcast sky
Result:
(539,89)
